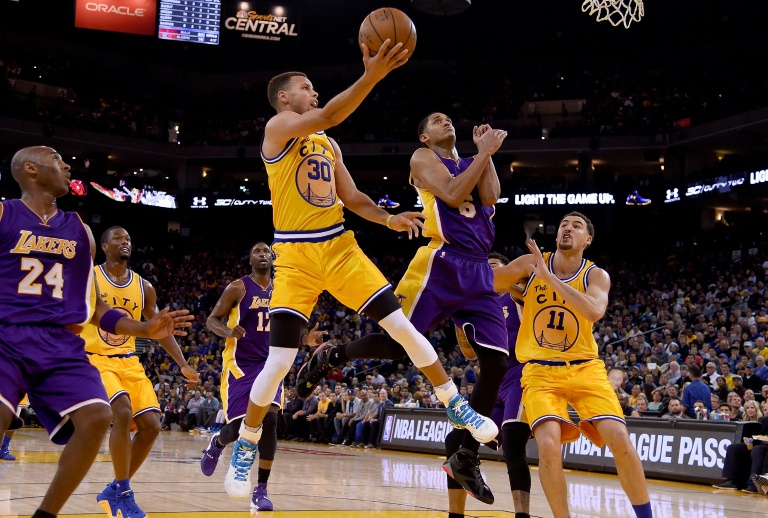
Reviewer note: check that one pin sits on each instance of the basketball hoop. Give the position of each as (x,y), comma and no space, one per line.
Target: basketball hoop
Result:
(615,11)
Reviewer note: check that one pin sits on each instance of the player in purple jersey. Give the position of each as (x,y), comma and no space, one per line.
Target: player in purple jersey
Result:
(508,413)
(450,277)
(241,316)
(48,294)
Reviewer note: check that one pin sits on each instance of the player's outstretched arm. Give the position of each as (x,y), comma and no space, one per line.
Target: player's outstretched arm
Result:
(163,324)
(288,124)
(506,278)
(168,342)
(232,295)
(365,207)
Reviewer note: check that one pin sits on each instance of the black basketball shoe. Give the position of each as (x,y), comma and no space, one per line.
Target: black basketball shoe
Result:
(464,468)
(313,371)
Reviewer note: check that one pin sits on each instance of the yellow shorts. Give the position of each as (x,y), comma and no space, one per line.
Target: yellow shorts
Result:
(303,270)
(126,376)
(548,390)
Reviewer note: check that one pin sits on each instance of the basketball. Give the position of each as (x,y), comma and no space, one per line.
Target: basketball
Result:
(387,23)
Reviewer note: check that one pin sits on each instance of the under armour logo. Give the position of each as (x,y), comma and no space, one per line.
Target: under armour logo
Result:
(672,194)
(201,201)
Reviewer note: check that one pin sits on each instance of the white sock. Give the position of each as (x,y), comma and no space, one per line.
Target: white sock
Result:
(446,392)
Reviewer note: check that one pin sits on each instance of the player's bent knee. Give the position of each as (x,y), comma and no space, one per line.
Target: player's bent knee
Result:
(148,423)
(382,306)
(92,419)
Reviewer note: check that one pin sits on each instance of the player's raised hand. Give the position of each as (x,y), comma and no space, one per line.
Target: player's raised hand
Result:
(384,61)
(315,337)
(539,266)
(407,222)
(479,131)
(237,332)
(167,322)
(490,141)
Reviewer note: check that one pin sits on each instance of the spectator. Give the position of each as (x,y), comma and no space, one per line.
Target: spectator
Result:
(193,408)
(696,391)
(641,406)
(675,409)
(744,460)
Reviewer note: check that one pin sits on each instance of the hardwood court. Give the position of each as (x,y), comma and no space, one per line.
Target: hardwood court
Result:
(310,481)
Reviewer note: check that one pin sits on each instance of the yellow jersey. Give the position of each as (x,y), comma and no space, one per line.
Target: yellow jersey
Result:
(551,329)
(127,298)
(302,182)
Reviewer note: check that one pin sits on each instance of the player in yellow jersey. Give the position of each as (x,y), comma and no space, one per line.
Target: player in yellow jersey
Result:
(308,180)
(128,388)
(564,296)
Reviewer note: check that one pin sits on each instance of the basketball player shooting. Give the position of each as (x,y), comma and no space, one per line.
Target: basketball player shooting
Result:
(307,178)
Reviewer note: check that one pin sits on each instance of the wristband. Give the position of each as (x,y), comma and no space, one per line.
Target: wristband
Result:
(109,320)
(389,218)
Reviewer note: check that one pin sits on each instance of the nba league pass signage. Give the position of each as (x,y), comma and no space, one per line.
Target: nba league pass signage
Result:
(131,16)
(263,21)
(678,450)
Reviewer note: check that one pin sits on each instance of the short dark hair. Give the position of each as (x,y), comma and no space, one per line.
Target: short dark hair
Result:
(590,226)
(501,257)
(695,371)
(106,234)
(250,251)
(423,124)
(278,83)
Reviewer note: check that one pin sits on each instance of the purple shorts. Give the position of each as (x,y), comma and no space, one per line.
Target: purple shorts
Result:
(509,404)
(237,392)
(460,287)
(49,364)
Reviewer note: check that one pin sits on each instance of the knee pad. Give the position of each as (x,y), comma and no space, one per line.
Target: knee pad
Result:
(230,432)
(275,369)
(268,441)
(514,439)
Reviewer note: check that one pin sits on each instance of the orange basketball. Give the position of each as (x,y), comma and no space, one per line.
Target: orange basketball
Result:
(387,23)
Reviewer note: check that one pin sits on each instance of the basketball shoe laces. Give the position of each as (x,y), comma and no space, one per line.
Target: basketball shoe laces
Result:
(244,463)
(467,414)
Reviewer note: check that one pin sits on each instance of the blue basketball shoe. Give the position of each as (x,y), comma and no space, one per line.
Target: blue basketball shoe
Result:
(636,199)
(260,501)
(126,506)
(386,203)
(463,416)
(107,500)
(5,454)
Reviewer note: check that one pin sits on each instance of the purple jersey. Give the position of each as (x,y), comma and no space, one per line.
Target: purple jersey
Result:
(512,316)
(47,268)
(467,226)
(252,314)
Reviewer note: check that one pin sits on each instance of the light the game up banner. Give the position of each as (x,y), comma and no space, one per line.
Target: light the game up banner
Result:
(669,449)
(131,16)
(260,21)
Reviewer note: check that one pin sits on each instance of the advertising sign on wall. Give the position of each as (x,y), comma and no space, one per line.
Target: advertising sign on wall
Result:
(131,16)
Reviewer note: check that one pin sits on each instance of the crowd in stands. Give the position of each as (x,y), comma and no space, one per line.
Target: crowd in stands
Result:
(617,99)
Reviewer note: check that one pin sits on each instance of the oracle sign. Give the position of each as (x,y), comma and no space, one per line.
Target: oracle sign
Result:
(131,16)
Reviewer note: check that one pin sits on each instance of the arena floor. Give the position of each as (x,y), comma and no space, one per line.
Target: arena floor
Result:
(310,481)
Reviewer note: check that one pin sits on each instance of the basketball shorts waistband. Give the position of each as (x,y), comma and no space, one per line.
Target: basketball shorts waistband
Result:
(127,355)
(309,236)
(553,363)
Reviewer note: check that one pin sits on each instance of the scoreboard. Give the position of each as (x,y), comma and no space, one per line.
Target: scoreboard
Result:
(195,21)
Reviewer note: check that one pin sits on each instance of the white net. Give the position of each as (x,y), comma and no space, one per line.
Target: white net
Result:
(617,12)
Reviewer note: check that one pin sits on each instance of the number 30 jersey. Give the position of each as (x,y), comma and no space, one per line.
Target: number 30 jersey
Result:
(252,314)
(468,226)
(302,180)
(47,270)
(551,329)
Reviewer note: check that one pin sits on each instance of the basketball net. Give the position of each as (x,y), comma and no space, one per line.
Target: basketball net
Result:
(617,12)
